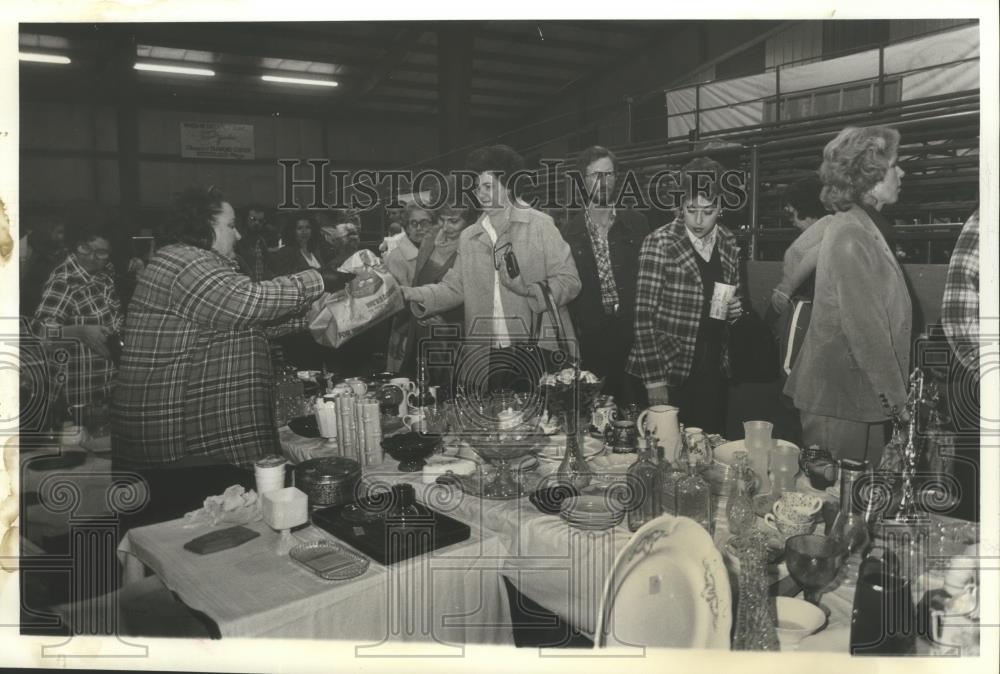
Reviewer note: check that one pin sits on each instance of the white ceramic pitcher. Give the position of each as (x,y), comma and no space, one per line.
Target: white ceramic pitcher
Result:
(661,421)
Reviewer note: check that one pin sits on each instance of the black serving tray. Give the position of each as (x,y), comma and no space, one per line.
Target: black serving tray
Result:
(388,539)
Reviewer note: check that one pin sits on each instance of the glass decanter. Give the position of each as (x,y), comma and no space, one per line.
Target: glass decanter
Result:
(671,474)
(694,497)
(739,508)
(755,627)
(645,483)
(851,524)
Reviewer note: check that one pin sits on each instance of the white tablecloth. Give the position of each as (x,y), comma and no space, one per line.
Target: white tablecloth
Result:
(554,565)
(448,597)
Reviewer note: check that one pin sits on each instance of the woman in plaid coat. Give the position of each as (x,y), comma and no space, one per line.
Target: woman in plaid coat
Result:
(679,349)
(194,393)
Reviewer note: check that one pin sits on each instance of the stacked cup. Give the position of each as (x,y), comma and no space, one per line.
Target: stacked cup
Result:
(794,513)
(347,425)
(371,428)
(269,472)
(326,417)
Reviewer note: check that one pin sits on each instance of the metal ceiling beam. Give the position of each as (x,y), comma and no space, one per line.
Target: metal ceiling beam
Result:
(402,43)
(185,36)
(580,83)
(480,91)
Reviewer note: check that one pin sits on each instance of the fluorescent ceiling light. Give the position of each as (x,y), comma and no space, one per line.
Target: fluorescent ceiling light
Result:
(177,70)
(296,80)
(43,58)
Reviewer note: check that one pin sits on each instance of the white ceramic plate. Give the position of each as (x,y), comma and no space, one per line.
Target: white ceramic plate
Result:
(669,588)
(589,505)
(594,523)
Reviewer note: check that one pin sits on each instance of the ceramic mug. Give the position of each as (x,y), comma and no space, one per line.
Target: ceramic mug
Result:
(416,421)
(603,416)
(405,384)
(955,630)
(407,387)
(788,527)
(359,387)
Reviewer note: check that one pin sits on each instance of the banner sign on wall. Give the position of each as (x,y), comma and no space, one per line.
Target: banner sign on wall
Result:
(217,140)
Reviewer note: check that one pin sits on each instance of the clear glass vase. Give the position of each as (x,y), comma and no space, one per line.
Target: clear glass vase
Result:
(573,469)
(756,623)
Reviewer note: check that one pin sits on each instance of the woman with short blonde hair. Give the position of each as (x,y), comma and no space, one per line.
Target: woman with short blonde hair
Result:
(855,359)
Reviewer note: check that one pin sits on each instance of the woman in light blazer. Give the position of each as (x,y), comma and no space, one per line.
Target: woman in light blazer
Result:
(856,351)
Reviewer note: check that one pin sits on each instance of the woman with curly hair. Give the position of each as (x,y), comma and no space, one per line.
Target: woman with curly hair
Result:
(856,351)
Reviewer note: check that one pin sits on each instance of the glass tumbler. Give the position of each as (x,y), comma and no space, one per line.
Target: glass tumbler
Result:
(784,467)
(759,443)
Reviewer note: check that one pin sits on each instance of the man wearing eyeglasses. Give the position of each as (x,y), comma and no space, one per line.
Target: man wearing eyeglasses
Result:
(80,302)
(606,241)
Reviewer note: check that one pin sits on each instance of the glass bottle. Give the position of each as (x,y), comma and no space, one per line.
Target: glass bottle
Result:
(671,474)
(739,509)
(694,498)
(851,524)
(756,623)
(423,398)
(646,484)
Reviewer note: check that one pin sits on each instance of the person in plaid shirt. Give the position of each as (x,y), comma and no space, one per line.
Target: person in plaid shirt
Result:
(194,396)
(960,319)
(960,306)
(605,243)
(679,349)
(80,301)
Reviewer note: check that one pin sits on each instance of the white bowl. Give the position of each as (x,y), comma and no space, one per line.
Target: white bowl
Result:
(797,619)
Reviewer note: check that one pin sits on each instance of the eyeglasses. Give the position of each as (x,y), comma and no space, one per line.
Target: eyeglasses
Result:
(600,175)
(422,224)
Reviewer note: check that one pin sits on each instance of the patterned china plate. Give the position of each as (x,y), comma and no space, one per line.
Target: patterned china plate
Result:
(669,587)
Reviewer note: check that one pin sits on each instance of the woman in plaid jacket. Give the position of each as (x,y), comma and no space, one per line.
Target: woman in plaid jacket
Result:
(194,391)
(679,349)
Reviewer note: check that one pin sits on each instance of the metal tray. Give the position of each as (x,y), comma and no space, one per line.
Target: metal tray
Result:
(329,561)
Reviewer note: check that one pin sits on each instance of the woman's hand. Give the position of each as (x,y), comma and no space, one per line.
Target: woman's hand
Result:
(407,293)
(518,285)
(735,309)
